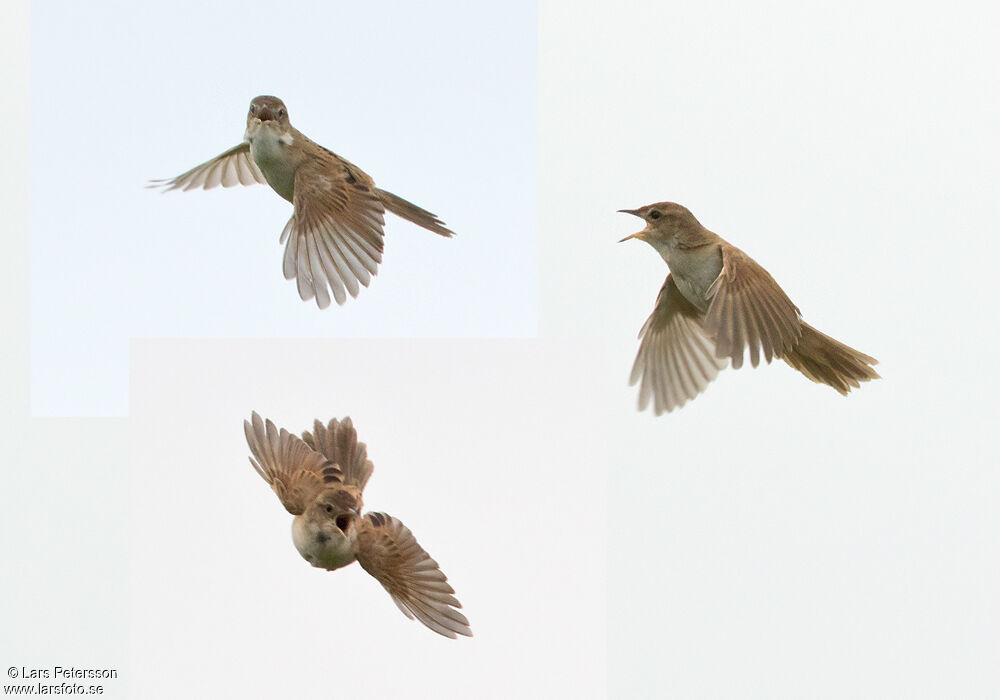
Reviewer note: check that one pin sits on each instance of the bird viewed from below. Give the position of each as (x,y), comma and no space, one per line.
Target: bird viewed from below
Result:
(715,303)
(319,479)
(334,238)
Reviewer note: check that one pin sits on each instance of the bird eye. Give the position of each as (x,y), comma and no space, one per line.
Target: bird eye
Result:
(281,112)
(342,522)
(329,508)
(654,214)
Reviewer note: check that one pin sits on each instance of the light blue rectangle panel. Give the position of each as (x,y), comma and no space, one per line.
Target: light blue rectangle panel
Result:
(436,101)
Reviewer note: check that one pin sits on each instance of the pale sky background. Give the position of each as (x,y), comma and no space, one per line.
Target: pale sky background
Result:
(773,539)
(471,452)
(770,540)
(436,101)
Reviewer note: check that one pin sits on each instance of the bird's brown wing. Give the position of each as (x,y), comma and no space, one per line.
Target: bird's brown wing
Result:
(234,167)
(676,359)
(338,441)
(295,471)
(747,309)
(388,551)
(335,235)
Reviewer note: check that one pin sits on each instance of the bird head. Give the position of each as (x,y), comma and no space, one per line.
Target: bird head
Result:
(663,221)
(326,533)
(268,108)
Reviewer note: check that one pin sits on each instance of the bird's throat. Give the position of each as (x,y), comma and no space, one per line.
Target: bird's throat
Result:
(271,147)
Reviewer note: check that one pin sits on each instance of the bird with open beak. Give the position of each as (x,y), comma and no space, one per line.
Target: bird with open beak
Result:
(715,304)
(319,479)
(334,238)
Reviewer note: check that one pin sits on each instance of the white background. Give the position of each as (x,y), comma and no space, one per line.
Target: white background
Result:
(471,452)
(772,539)
(436,101)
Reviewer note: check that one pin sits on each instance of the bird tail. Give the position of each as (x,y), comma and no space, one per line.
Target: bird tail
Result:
(827,361)
(411,212)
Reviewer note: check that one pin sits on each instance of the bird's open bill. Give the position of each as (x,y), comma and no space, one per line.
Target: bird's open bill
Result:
(320,479)
(633,212)
(716,305)
(334,237)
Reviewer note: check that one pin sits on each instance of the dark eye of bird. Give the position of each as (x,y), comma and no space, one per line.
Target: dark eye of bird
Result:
(342,522)
(654,214)
(329,508)
(281,112)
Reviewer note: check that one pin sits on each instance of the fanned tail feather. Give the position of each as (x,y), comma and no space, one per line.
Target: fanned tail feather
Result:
(828,361)
(411,212)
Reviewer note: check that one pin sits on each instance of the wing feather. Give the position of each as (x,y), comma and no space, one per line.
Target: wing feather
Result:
(748,310)
(335,235)
(676,359)
(388,551)
(295,471)
(233,167)
(338,442)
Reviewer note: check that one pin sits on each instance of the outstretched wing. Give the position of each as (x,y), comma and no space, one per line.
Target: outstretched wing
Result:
(234,167)
(748,309)
(676,358)
(388,551)
(296,472)
(335,235)
(338,441)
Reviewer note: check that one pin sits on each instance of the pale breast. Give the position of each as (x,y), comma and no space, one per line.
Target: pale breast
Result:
(693,269)
(270,150)
(323,548)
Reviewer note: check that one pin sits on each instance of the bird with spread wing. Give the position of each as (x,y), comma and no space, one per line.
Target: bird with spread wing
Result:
(334,238)
(319,479)
(716,304)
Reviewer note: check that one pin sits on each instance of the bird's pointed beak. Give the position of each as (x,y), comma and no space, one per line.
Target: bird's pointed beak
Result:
(633,212)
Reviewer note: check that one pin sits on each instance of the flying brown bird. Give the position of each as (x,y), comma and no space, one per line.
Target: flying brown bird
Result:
(319,479)
(335,233)
(715,303)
